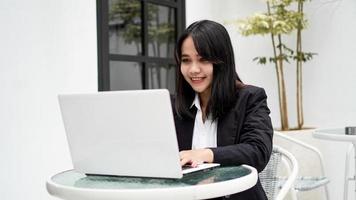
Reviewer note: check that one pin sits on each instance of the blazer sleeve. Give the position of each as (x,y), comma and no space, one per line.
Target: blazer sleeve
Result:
(254,142)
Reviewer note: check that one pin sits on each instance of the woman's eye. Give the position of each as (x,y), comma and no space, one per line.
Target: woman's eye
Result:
(185,60)
(204,60)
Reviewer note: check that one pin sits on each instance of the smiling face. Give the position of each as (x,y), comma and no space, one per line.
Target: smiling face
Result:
(197,71)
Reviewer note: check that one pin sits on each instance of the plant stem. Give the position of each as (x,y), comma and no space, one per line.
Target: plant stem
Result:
(280,78)
(300,115)
(283,98)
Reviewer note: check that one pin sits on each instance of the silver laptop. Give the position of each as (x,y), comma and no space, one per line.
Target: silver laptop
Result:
(124,133)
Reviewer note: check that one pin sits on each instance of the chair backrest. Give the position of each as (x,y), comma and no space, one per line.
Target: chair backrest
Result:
(300,149)
(269,176)
(311,175)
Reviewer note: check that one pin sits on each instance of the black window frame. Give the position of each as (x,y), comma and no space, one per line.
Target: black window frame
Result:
(104,56)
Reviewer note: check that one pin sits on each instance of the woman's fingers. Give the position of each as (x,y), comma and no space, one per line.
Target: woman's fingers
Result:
(184,161)
(195,163)
(192,157)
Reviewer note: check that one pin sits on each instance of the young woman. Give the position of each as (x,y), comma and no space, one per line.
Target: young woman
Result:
(218,118)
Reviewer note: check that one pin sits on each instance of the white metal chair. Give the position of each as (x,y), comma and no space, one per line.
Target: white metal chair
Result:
(347,178)
(306,183)
(270,179)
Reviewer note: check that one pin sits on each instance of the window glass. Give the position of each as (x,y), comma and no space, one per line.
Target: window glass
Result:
(161,76)
(125,35)
(161,31)
(125,75)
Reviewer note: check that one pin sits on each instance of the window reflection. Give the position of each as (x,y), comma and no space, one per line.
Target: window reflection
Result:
(125,75)
(161,31)
(160,76)
(125,27)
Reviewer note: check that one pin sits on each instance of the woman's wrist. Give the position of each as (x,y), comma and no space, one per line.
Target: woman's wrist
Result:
(209,155)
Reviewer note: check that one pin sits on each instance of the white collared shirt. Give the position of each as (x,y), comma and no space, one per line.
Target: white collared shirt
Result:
(204,133)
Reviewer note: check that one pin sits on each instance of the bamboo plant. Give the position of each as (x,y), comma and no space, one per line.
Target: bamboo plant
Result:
(280,20)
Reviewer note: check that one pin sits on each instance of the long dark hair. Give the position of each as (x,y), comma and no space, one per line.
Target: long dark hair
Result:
(212,43)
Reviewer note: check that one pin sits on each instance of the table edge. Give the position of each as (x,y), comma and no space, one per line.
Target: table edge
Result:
(196,191)
(335,137)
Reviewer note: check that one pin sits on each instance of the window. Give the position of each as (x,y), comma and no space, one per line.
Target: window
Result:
(136,40)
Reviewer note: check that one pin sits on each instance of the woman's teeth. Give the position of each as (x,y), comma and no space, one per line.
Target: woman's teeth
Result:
(196,78)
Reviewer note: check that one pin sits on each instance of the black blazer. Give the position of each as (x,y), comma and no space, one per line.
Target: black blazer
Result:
(244,136)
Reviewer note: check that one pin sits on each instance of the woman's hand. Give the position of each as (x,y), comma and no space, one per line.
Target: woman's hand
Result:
(196,156)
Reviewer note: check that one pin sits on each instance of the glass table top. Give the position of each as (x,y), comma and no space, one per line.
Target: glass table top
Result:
(338,134)
(78,180)
(338,131)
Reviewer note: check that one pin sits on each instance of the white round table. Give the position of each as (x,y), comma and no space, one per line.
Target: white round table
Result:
(339,135)
(217,182)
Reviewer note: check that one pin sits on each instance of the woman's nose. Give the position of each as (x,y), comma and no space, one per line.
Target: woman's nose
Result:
(194,68)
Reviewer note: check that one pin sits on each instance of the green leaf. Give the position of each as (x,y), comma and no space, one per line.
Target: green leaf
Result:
(260,60)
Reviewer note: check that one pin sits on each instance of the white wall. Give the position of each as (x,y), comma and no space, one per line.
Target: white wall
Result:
(329,79)
(46,47)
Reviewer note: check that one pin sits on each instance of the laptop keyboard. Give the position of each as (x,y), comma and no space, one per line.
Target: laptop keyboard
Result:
(186,167)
